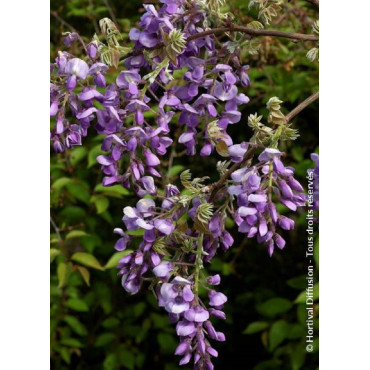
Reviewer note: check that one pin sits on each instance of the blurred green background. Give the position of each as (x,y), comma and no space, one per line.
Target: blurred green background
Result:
(95,324)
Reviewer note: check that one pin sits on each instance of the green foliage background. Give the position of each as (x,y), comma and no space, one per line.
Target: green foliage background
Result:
(94,323)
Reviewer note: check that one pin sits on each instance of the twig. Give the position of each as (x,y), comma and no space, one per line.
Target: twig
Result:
(110,11)
(232,28)
(170,162)
(93,18)
(56,229)
(253,32)
(249,154)
(70,27)
(172,156)
(62,21)
(299,108)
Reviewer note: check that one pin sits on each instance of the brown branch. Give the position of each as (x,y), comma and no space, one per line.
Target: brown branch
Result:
(232,28)
(56,229)
(253,32)
(218,185)
(70,27)
(314,2)
(249,154)
(299,108)
(111,12)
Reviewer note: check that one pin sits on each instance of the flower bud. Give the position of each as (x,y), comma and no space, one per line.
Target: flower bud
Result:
(216,299)
(92,49)
(214,280)
(280,242)
(150,158)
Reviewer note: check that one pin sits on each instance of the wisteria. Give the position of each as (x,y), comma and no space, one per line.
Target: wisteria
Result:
(175,86)
(256,187)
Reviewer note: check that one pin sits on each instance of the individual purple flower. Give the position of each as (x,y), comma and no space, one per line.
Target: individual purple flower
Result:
(77,69)
(164,226)
(92,49)
(163,270)
(135,218)
(196,314)
(216,299)
(176,296)
(244,78)
(138,107)
(128,78)
(121,243)
(69,38)
(225,93)
(98,70)
(237,151)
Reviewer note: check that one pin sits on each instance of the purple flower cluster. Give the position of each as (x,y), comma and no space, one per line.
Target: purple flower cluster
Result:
(255,187)
(177,288)
(193,319)
(134,265)
(207,94)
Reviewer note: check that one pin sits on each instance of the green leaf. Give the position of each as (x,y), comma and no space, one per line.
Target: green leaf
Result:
(108,190)
(139,309)
(80,192)
(110,322)
(274,307)
(126,358)
(299,282)
(87,260)
(107,217)
(60,183)
(139,232)
(77,155)
(63,271)
(93,153)
(113,261)
(54,239)
(175,170)
(256,327)
(302,296)
(166,342)
(73,214)
(53,253)
(101,204)
(85,274)
(278,332)
(77,304)
(110,362)
(76,234)
(76,325)
(297,356)
(71,342)
(104,339)
(65,354)
(296,331)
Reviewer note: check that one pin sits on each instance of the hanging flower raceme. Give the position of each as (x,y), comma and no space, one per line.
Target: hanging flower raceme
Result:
(256,189)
